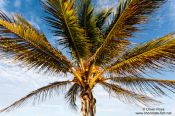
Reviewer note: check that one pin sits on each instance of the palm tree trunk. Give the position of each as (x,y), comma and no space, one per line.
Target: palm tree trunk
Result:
(88,103)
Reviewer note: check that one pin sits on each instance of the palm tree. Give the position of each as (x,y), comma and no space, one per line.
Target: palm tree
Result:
(100,53)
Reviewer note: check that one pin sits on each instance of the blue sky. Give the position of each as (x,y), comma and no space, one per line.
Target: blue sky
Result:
(16,82)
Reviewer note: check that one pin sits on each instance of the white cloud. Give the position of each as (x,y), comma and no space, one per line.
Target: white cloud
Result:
(162,18)
(34,20)
(105,4)
(171,12)
(2,5)
(33,23)
(17,3)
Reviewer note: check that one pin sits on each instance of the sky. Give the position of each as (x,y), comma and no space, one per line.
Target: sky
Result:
(15,81)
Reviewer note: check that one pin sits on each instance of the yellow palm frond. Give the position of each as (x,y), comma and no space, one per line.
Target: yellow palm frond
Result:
(19,40)
(154,55)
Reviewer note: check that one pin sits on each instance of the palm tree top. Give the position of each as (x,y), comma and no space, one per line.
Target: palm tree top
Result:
(100,50)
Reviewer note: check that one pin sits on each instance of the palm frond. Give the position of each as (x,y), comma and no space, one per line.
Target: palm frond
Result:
(96,31)
(122,6)
(64,22)
(110,53)
(102,17)
(85,12)
(128,96)
(22,42)
(154,55)
(129,13)
(20,19)
(145,85)
(39,95)
(87,21)
(72,94)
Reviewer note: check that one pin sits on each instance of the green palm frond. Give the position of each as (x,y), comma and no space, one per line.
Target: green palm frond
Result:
(87,20)
(154,55)
(72,94)
(85,12)
(20,41)
(145,85)
(102,18)
(127,96)
(96,31)
(129,13)
(39,95)
(64,22)
(122,5)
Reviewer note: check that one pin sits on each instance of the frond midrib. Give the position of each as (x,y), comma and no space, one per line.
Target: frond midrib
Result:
(77,53)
